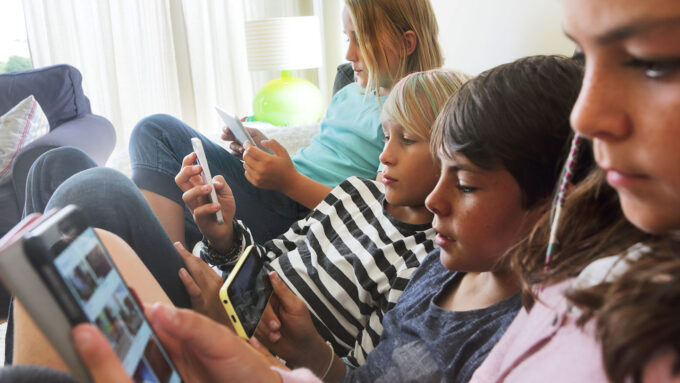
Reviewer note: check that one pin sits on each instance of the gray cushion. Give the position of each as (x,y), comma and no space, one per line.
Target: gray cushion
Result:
(344,76)
(58,90)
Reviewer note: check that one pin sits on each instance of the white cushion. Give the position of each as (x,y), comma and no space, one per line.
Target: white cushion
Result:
(19,127)
(292,138)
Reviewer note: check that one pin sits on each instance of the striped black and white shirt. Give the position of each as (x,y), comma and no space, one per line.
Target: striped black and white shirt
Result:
(350,261)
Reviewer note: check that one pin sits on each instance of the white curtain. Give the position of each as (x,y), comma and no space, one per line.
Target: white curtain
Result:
(179,57)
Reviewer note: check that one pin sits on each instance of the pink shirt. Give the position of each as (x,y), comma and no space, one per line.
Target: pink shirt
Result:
(545,344)
(298,375)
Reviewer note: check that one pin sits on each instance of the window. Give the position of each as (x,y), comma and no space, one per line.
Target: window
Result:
(14,53)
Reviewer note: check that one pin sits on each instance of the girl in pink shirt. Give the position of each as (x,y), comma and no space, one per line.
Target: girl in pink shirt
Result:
(580,321)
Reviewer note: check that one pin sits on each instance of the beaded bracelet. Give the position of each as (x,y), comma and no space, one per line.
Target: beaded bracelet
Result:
(214,257)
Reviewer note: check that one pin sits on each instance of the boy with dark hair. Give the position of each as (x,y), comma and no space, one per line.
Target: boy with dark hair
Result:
(500,140)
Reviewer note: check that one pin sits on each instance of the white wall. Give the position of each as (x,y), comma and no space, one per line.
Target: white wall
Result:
(476,35)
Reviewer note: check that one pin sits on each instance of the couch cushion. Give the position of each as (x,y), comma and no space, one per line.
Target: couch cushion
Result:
(57,88)
(18,127)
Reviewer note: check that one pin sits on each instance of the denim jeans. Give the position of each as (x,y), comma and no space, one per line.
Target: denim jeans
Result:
(160,142)
(111,202)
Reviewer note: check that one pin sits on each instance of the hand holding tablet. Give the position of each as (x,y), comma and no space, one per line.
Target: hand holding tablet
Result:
(238,130)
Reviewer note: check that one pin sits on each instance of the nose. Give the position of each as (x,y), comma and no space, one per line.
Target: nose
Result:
(436,201)
(352,53)
(600,110)
(388,156)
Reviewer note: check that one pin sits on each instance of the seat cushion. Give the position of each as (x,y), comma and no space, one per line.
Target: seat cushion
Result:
(57,88)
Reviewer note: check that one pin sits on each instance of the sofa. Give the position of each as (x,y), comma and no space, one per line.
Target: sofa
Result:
(58,90)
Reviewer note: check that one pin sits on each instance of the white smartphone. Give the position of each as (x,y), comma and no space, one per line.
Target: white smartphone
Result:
(237,128)
(205,173)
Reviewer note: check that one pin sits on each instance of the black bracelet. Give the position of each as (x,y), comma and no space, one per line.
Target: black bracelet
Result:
(215,257)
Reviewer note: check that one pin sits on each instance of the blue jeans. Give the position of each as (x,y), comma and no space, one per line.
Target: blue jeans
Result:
(160,142)
(111,202)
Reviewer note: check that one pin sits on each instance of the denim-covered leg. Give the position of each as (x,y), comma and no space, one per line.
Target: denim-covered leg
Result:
(112,202)
(160,142)
(49,171)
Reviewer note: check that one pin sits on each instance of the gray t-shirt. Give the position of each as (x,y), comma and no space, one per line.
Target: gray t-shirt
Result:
(422,342)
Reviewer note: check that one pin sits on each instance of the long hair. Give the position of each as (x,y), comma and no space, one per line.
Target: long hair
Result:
(592,226)
(637,313)
(380,25)
(416,100)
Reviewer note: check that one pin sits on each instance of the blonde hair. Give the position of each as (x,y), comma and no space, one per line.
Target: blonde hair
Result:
(380,25)
(415,101)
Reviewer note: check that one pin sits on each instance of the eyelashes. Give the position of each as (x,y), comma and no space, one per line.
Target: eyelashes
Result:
(403,139)
(466,189)
(649,67)
(655,69)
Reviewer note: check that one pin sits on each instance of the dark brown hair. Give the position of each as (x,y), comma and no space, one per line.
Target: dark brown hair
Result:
(592,226)
(515,117)
(638,313)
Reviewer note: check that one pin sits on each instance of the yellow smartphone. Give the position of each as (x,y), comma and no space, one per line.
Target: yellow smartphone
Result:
(246,292)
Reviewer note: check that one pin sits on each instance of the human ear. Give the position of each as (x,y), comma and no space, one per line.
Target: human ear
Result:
(410,42)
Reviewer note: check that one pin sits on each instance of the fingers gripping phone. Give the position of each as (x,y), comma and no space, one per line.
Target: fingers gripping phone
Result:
(246,292)
(239,131)
(84,283)
(205,173)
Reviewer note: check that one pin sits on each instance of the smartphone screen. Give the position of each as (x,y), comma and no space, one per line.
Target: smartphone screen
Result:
(249,292)
(103,297)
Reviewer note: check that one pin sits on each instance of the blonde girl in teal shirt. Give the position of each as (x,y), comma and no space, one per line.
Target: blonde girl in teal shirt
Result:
(387,40)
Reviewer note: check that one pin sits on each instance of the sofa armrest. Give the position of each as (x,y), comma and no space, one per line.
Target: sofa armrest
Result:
(90,133)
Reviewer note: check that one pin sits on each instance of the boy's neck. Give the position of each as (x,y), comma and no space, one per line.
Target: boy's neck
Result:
(479,290)
(414,215)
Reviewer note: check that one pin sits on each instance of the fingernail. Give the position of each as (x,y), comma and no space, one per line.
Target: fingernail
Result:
(183,272)
(273,324)
(195,167)
(205,188)
(83,338)
(178,245)
(168,312)
(255,343)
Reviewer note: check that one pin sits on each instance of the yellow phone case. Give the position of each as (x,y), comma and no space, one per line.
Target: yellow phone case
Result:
(226,300)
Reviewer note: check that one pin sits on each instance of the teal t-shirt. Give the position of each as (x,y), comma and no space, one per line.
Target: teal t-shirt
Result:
(349,142)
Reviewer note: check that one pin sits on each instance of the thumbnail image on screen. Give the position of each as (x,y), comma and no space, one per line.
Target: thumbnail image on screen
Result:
(102,295)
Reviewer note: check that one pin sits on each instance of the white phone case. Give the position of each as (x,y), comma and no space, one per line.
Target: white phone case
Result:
(205,174)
